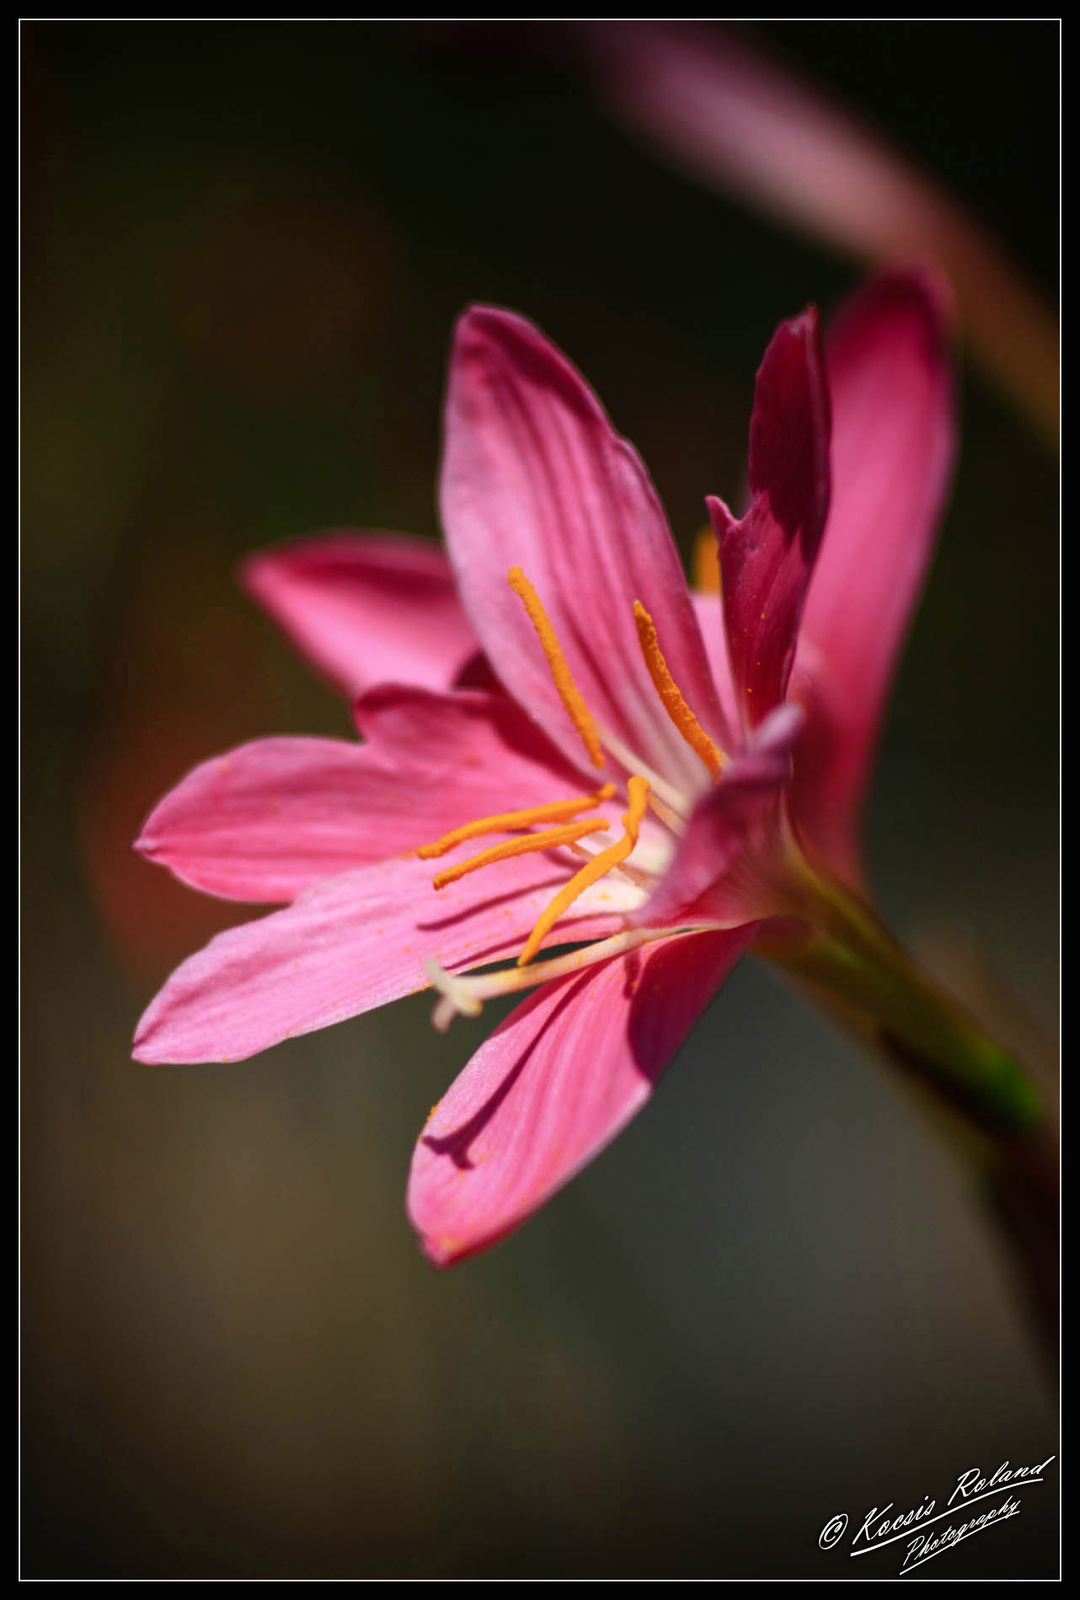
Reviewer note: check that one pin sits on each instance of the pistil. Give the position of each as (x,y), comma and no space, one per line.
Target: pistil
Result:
(465,995)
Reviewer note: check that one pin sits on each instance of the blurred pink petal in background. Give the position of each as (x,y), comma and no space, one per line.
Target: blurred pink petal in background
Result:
(739,121)
(367,608)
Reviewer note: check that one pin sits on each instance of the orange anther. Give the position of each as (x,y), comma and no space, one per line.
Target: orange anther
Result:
(521,847)
(598,867)
(706,562)
(670,694)
(510,821)
(569,692)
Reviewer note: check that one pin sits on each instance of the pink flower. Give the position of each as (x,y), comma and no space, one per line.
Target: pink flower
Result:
(714,750)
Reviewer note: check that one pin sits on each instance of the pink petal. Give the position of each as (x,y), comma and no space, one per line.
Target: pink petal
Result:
(743,806)
(552,1086)
(352,943)
(710,615)
(366,608)
(890,378)
(267,820)
(767,556)
(535,476)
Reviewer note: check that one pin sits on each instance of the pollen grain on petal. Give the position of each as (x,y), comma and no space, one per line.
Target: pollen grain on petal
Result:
(671,695)
(569,693)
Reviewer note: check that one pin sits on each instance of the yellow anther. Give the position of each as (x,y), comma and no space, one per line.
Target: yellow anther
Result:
(510,821)
(550,840)
(670,694)
(706,561)
(569,693)
(598,867)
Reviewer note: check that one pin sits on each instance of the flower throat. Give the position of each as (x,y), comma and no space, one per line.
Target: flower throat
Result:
(569,833)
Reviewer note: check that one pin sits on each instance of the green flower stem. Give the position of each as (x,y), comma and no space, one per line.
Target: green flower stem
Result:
(834,947)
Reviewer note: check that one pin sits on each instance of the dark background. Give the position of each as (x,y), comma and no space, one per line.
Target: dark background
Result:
(774,1298)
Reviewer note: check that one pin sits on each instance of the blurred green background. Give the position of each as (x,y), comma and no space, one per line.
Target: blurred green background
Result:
(774,1298)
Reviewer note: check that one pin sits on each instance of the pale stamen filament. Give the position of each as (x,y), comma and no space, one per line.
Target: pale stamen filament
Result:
(658,786)
(671,820)
(465,995)
(634,875)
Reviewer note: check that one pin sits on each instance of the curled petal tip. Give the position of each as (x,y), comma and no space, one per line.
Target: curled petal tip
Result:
(484,322)
(435,1252)
(767,556)
(806,325)
(926,279)
(919,285)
